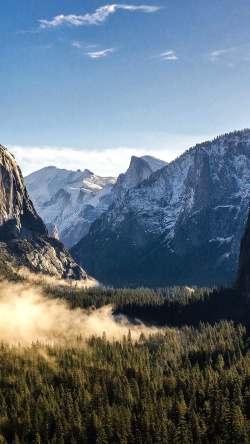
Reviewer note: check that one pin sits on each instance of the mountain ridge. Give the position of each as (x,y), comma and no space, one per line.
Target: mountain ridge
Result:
(183,225)
(70,201)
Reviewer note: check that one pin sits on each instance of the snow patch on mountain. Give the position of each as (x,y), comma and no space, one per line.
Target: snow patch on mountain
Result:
(192,211)
(60,197)
(154,163)
(70,201)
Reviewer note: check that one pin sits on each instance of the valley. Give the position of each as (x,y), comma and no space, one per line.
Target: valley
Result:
(84,363)
(125,222)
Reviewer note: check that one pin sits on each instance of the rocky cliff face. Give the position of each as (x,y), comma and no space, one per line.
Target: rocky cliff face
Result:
(243,275)
(138,170)
(23,234)
(181,226)
(70,201)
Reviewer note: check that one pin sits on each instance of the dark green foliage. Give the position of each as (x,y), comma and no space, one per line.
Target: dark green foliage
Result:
(179,386)
(174,306)
(189,383)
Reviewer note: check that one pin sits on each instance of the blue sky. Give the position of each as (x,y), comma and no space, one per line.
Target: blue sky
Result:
(94,82)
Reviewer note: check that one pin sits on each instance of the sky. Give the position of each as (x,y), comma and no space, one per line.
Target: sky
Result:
(87,84)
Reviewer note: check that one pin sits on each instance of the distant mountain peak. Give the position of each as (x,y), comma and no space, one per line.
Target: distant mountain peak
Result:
(87,173)
(69,200)
(73,200)
(154,163)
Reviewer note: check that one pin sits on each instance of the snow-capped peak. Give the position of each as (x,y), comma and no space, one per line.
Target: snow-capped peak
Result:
(154,163)
(72,200)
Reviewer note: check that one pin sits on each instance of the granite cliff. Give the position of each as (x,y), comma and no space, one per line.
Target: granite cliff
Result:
(182,225)
(23,235)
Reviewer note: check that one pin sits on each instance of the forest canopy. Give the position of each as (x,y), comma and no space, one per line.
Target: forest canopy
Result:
(178,381)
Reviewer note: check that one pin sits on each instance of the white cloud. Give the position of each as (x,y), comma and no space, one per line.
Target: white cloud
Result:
(92,54)
(168,55)
(99,16)
(107,162)
(98,54)
(215,55)
(232,55)
(219,52)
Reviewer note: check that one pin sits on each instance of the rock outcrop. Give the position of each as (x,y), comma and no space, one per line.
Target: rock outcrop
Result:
(23,234)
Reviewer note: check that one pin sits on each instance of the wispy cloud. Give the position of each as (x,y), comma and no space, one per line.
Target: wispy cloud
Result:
(216,55)
(81,45)
(220,52)
(88,50)
(168,55)
(98,54)
(231,56)
(99,16)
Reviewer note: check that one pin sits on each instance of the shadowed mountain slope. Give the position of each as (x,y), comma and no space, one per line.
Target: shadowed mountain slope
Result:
(183,225)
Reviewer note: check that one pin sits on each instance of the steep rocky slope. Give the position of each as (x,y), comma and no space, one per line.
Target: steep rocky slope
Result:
(243,274)
(139,170)
(70,201)
(183,225)
(23,235)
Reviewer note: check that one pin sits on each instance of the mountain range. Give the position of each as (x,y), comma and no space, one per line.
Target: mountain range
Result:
(181,225)
(70,201)
(158,224)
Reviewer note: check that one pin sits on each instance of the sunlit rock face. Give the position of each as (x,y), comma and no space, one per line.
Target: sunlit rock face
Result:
(138,171)
(183,225)
(23,233)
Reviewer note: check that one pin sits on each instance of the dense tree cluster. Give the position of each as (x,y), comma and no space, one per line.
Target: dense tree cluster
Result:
(173,306)
(188,385)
